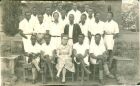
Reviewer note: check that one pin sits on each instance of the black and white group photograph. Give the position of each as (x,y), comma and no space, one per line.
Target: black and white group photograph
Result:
(69,43)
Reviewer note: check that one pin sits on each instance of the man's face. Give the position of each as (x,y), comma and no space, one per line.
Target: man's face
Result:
(97,16)
(47,38)
(48,10)
(97,39)
(28,15)
(34,11)
(83,18)
(109,16)
(56,16)
(80,38)
(60,6)
(33,39)
(90,11)
(40,18)
(86,7)
(71,17)
(63,13)
(64,40)
(74,6)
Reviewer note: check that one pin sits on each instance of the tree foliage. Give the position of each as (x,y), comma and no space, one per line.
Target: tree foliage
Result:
(11,14)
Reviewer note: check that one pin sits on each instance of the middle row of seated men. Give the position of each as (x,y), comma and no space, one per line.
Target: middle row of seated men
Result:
(41,50)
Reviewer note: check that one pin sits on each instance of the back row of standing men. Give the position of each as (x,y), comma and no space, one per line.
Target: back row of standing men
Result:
(73,23)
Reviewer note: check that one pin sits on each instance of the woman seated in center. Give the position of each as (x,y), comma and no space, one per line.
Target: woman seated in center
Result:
(64,52)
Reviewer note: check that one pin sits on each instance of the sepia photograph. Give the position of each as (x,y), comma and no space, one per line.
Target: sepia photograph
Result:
(69,43)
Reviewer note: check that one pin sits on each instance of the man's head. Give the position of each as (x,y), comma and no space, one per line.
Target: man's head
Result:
(109,15)
(33,39)
(90,11)
(86,7)
(40,38)
(27,15)
(63,13)
(40,17)
(97,16)
(97,38)
(65,39)
(47,38)
(48,10)
(81,38)
(55,15)
(83,17)
(71,18)
(74,6)
(34,11)
(60,5)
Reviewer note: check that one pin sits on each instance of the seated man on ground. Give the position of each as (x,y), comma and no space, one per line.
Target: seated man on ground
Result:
(32,57)
(48,55)
(98,56)
(81,51)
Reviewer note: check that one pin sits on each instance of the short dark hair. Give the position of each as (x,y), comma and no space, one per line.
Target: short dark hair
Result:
(96,13)
(84,15)
(111,13)
(47,35)
(98,34)
(64,35)
(82,35)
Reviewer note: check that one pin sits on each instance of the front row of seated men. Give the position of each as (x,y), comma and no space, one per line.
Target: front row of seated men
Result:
(42,52)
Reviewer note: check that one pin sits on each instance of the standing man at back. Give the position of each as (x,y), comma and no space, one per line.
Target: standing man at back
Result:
(75,12)
(111,32)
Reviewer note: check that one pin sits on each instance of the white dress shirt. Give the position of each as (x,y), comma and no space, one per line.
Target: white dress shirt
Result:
(26,27)
(110,28)
(48,49)
(96,50)
(80,49)
(85,29)
(41,28)
(47,18)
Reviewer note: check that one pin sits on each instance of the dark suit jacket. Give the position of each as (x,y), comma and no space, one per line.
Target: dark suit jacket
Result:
(76,31)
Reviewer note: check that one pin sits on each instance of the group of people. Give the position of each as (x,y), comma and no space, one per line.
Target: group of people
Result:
(67,40)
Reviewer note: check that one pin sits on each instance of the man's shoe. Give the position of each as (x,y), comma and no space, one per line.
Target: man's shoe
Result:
(102,81)
(111,76)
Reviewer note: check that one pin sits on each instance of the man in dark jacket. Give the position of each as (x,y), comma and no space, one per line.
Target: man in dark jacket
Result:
(72,30)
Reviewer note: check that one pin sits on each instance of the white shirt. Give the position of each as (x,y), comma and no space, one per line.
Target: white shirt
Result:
(70,30)
(39,47)
(32,48)
(97,28)
(97,49)
(77,15)
(84,28)
(56,29)
(34,20)
(26,26)
(41,28)
(48,49)
(47,18)
(63,22)
(111,27)
(80,48)
(90,20)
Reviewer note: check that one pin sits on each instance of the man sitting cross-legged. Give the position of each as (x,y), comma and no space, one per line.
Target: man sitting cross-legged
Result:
(48,52)
(81,51)
(98,55)
(32,57)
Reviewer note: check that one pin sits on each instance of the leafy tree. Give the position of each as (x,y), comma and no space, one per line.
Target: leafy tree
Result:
(11,14)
